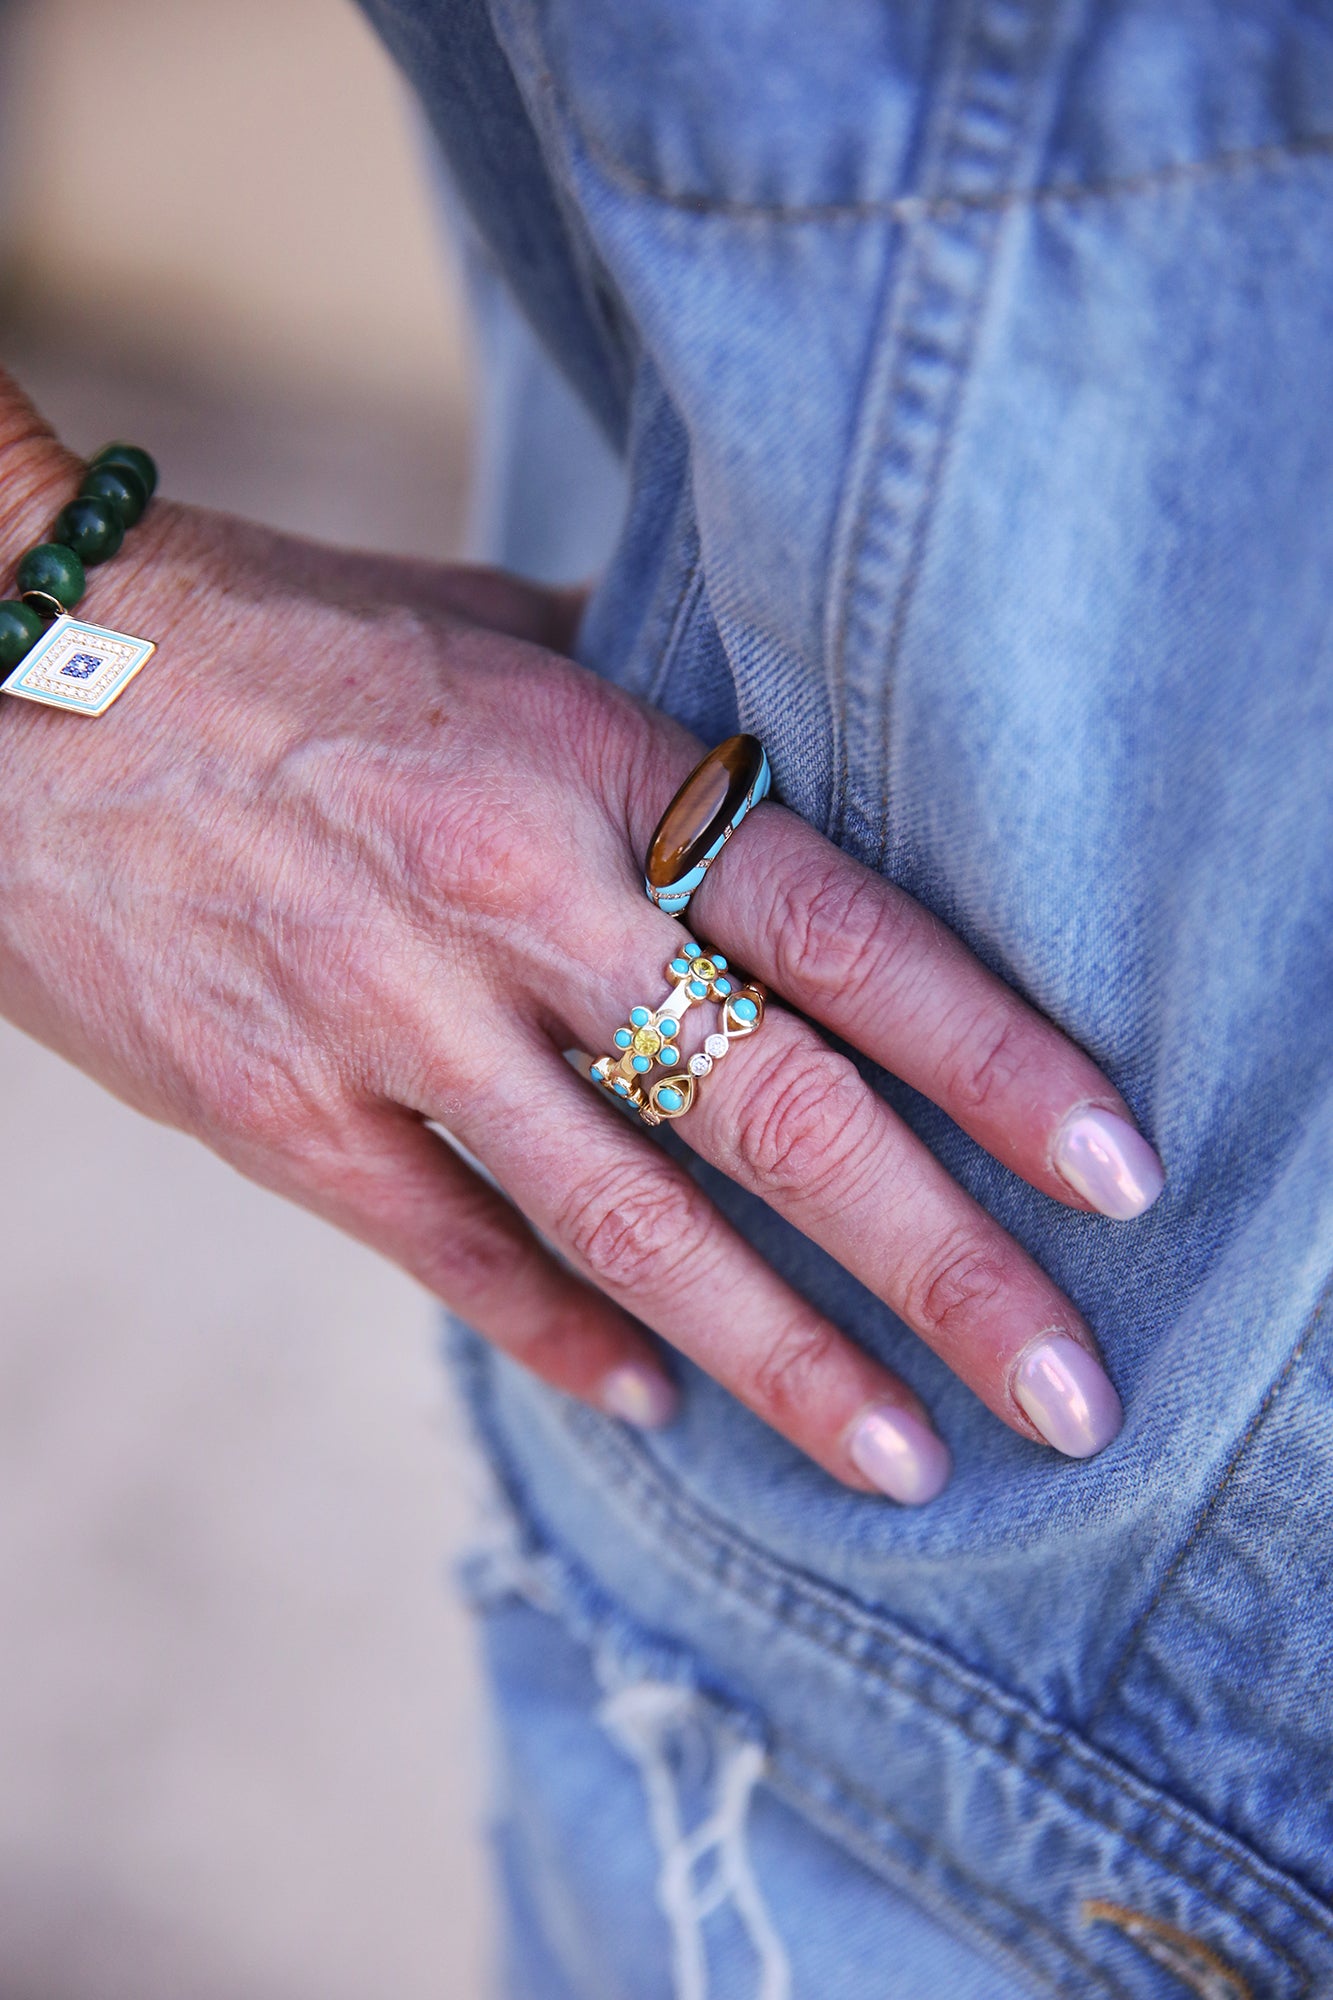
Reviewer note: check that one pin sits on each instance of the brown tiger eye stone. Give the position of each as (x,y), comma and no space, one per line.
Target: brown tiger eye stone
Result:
(702,808)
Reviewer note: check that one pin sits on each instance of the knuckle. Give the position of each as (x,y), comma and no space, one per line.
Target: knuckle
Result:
(458,848)
(799,1132)
(986,1061)
(834,929)
(955,1287)
(346,966)
(636,1232)
(247,1099)
(787,1375)
(275,1130)
(485,1253)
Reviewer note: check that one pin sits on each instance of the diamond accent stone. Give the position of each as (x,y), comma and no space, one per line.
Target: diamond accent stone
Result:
(700,1064)
(715,1046)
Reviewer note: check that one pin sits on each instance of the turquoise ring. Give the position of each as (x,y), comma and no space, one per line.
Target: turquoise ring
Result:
(650,1039)
(721,789)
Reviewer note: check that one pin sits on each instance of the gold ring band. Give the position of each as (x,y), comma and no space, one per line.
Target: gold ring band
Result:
(649,1040)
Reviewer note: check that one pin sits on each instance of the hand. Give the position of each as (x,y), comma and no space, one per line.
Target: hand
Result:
(358,850)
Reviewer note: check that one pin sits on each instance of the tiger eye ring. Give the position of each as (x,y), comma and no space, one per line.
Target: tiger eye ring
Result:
(701,819)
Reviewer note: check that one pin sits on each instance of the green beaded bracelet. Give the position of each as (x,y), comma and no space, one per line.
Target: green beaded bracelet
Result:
(68,663)
(51,575)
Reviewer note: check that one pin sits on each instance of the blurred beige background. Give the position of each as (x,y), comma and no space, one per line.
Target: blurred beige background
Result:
(240,1728)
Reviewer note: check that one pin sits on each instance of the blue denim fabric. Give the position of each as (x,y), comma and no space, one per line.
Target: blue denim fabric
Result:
(973,365)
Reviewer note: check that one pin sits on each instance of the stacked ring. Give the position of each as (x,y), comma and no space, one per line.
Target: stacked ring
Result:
(649,1040)
(720,790)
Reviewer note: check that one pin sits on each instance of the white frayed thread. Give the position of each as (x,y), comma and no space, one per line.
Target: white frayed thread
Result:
(501,1566)
(642,1718)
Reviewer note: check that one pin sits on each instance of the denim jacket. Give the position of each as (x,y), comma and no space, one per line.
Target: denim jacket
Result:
(973,369)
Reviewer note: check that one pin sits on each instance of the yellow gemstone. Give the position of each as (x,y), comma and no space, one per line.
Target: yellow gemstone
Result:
(646,1042)
(703,968)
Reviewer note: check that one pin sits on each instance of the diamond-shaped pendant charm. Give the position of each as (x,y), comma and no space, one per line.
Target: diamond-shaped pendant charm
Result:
(78,666)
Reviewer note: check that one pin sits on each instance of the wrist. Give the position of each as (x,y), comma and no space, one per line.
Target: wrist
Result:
(55,650)
(37,476)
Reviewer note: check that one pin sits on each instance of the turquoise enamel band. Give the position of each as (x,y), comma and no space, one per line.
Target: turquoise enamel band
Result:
(713,801)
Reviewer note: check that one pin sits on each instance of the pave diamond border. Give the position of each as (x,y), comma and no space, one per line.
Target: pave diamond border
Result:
(33,680)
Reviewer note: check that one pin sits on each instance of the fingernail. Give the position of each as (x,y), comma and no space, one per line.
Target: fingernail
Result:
(1110,1164)
(900,1455)
(638,1395)
(1068,1396)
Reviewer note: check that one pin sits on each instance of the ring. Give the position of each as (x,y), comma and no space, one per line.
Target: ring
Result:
(701,819)
(650,1039)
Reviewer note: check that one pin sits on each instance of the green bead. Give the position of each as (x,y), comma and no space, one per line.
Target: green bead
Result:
(92,528)
(121,487)
(132,455)
(54,570)
(20,628)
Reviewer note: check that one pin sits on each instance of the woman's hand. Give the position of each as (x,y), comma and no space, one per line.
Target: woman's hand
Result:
(358,851)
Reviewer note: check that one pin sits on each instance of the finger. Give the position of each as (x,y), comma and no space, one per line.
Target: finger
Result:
(402,1190)
(877,968)
(793,1121)
(648,1237)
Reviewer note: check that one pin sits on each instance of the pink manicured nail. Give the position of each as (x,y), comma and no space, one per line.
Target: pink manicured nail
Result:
(1110,1164)
(639,1396)
(900,1455)
(1068,1396)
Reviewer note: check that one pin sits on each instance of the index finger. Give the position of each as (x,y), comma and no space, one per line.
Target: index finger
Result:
(867,961)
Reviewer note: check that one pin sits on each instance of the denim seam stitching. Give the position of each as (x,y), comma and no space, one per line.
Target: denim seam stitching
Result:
(894,308)
(1149,1934)
(687,597)
(895,511)
(927,1892)
(919,528)
(1271,1397)
(1097,1764)
(1214,1895)
(912,207)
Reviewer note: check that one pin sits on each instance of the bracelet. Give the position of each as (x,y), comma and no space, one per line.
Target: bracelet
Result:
(69,663)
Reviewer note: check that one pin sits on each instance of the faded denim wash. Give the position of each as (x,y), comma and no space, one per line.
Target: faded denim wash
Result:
(973,368)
